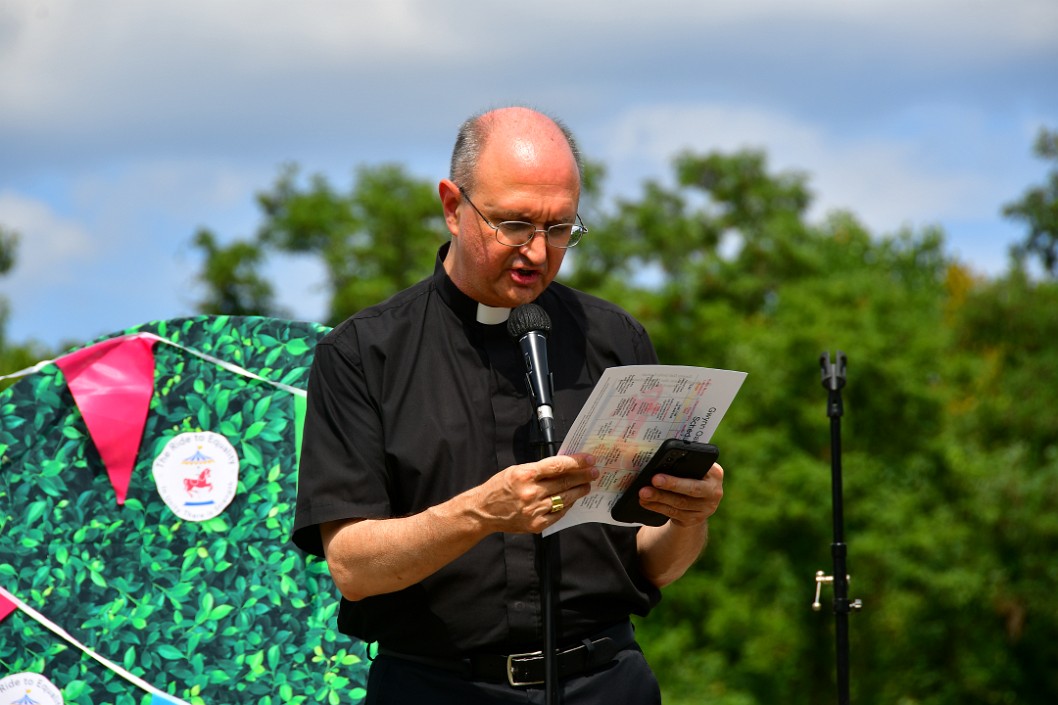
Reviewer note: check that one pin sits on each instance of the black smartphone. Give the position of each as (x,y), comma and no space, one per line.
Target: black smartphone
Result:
(674,457)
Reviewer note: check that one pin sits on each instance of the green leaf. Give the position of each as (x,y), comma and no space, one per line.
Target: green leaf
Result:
(273,657)
(72,432)
(217,525)
(251,454)
(221,401)
(254,429)
(260,410)
(35,511)
(204,418)
(296,347)
(74,690)
(220,612)
(169,652)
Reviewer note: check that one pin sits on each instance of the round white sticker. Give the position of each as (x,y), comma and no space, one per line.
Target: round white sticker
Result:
(28,689)
(197,474)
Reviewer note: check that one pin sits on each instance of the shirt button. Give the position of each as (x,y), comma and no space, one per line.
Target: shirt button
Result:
(519,606)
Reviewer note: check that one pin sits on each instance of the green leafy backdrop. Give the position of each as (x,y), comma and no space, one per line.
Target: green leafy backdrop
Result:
(220,611)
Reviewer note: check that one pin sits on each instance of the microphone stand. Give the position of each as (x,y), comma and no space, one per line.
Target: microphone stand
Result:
(529,324)
(833,380)
(547,548)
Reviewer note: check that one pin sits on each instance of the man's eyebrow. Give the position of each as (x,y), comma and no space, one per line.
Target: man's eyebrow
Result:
(501,216)
(510,215)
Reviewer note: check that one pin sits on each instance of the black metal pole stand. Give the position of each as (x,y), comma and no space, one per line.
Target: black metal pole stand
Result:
(547,548)
(833,380)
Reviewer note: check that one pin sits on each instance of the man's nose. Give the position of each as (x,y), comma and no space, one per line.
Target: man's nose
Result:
(536,248)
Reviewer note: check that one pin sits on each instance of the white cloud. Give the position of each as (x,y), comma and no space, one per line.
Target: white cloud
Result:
(172,57)
(51,248)
(887,182)
(111,56)
(128,124)
(119,254)
(166,191)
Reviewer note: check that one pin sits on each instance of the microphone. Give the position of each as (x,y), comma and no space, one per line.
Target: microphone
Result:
(529,325)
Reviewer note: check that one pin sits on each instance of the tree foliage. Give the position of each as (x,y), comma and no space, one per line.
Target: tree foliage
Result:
(8,246)
(1038,208)
(377,238)
(13,356)
(951,459)
(949,441)
(234,285)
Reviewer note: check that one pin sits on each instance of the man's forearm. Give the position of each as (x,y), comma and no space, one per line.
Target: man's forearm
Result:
(667,551)
(376,556)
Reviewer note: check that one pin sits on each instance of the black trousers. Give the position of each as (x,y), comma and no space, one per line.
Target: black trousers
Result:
(627,680)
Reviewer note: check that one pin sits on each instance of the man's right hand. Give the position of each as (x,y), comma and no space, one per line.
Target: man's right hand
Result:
(519,499)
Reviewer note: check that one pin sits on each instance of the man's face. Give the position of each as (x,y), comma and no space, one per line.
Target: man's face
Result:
(529,179)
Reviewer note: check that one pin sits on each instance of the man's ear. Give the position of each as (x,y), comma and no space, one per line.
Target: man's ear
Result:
(451,198)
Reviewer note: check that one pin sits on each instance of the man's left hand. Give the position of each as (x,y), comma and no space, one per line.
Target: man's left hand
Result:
(686,502)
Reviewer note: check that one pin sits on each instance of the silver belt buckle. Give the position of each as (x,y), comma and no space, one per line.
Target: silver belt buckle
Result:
(510,668)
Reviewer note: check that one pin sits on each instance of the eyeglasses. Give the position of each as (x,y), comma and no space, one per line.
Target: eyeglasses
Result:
(517,233)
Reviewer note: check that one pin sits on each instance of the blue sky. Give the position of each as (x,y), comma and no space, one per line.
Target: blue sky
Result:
(125,125)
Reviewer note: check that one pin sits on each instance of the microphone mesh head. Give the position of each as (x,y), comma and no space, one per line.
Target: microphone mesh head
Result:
(526,318)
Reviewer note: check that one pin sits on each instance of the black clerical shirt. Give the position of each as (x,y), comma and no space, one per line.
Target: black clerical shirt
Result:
(413,401)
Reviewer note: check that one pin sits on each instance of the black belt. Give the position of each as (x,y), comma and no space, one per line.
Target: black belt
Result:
(528,668)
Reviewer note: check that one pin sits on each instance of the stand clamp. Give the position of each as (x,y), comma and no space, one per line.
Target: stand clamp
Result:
(844,606)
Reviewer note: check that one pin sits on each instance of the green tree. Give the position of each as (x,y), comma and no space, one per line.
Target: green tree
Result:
(725,270)
(8,246)
(379,238)
(949,450)
(13,357)
(1005,329)
(230,274)
(1038,208)
(376,239)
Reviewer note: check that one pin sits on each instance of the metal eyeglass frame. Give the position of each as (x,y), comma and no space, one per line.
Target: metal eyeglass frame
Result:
(577,230)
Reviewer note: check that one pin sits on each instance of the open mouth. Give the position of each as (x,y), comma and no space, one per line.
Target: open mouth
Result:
(525,276)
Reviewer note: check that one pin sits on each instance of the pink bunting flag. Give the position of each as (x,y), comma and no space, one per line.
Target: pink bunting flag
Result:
(112,383)
(6,607)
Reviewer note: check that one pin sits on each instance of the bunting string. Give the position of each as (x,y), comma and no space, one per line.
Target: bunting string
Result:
(159,695)
(9,601)
(231,367)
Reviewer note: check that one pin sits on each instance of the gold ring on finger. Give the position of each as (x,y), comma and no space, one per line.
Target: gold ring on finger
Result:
(557,505)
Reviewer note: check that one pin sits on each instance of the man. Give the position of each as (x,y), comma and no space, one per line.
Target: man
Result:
(419,481)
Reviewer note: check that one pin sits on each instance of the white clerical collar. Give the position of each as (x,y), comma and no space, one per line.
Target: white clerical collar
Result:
(491,316)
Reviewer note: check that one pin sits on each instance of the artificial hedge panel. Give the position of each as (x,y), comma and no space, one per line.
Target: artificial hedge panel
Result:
(219,611)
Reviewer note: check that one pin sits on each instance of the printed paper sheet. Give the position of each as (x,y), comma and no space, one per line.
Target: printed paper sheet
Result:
(629,413)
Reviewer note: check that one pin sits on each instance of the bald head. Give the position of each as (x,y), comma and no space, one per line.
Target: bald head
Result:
(527,133)
(513,164)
